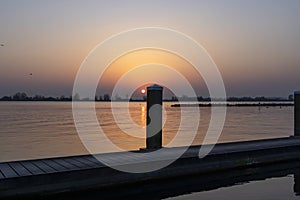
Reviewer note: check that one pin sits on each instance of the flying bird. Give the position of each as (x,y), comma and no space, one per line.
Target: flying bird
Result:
(30,74)
(2,45)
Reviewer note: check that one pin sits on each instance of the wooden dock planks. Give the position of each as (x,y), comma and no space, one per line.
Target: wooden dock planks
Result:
(67,165)
(20,169)
(32,168)
(86,161)
(43,166)
(1,175)
(56,166)
(8,171)
(76,163)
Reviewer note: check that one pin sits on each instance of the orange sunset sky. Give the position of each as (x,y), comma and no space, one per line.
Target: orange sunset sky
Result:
(255,43)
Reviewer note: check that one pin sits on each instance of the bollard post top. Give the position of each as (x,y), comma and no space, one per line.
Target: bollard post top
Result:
(297,92)
(155,87)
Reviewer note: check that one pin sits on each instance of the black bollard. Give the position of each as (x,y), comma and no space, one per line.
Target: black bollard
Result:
(154,117)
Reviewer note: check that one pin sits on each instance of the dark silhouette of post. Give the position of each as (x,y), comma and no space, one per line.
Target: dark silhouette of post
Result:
(297,183)
(154,117)
(297,113)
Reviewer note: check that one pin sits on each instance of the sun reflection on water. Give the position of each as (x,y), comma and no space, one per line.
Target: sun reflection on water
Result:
(143,116)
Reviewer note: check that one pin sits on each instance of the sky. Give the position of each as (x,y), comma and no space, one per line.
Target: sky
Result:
(254,43)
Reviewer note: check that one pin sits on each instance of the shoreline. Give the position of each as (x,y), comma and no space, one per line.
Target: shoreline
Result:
(235,105)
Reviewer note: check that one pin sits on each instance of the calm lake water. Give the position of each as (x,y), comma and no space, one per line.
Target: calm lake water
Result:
(269,189)
(32,130)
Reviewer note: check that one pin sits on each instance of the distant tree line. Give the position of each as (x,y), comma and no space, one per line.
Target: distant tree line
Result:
(22,96)
(262,98)
(233,99)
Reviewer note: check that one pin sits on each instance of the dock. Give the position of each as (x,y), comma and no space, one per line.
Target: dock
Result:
(43,177)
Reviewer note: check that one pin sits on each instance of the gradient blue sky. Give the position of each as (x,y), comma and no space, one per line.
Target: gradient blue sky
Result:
(255,43)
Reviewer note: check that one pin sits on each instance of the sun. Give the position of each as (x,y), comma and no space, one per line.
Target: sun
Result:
(143,91)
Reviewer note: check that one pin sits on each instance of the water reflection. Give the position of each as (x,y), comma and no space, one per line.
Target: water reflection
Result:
(143,115)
